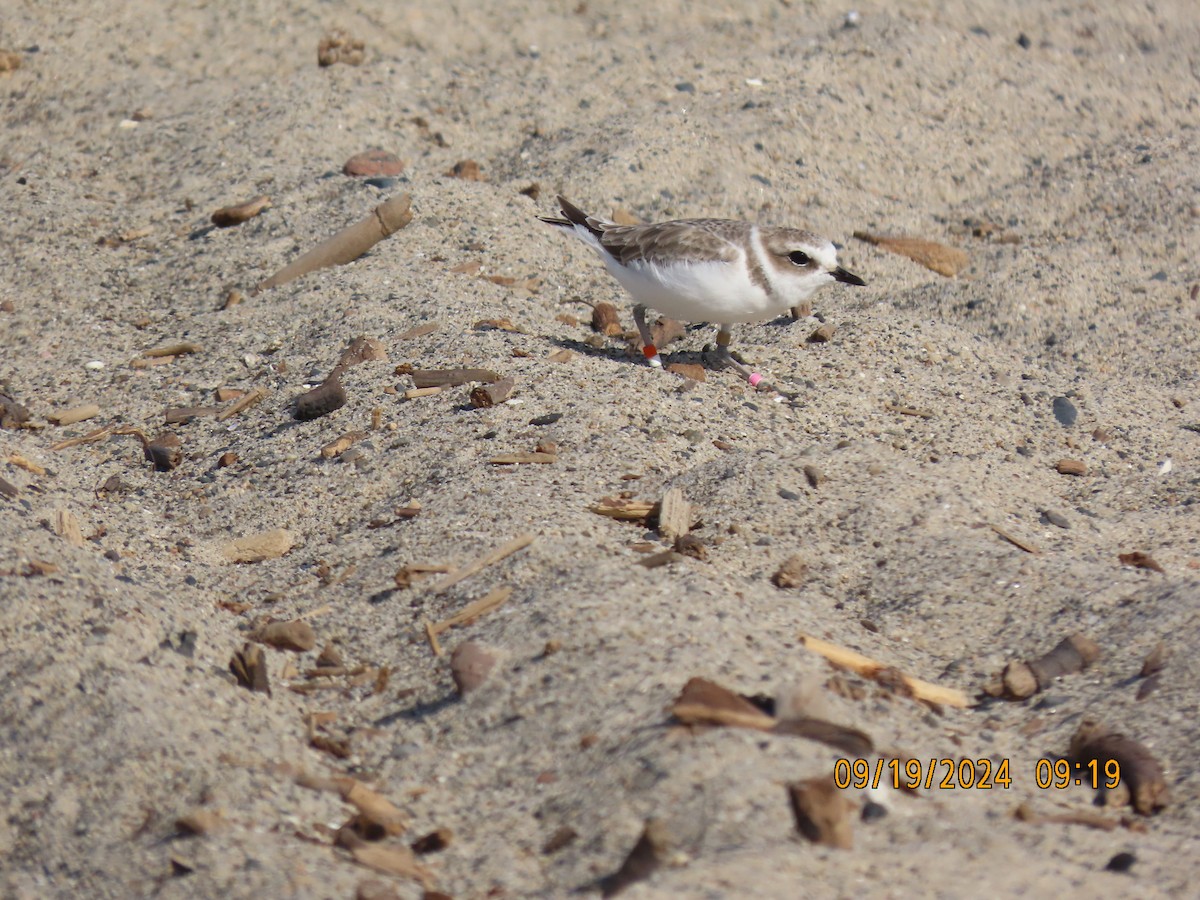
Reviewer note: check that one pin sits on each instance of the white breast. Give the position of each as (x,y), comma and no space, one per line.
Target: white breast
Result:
(718,292)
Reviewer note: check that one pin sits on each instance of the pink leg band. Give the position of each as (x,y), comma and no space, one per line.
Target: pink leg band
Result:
(754,379)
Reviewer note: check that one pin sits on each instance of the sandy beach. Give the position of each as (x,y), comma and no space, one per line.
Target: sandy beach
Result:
(405,645)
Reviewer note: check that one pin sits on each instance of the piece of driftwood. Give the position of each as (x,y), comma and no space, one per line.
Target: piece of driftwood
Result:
(873,669)
(468,613)
(647,855)
(479,565)
(703,702)
(424,378)
(348,244)
(1019,680)
(944,260)
(243,403)
(822,812)
(1140,770)
(488,395)
(674,515)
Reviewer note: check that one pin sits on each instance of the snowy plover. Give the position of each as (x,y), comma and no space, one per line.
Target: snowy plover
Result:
(709,270)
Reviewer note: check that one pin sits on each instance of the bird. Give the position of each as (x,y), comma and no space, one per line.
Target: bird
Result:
(720,271)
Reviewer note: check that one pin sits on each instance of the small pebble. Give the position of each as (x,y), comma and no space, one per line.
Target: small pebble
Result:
(788,495)
(95,365)
(1065,412)
(321,400)
(470,665)
(1122,862)
(373,163)
(873,811)
(1056,518)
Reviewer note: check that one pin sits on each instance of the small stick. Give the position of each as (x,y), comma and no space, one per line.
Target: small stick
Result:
(1016,541)
(424,378)
(349,243)
(91,437)
(495,556)
(487,395)
(414,393)
(172,350)
(17,460)
(512,459)
(244,403)
(468,613)
(869,668)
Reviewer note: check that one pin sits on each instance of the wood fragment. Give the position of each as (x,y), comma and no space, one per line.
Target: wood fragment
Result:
(944,260)
(183,415)
(433,842)
(1026,813)
(372,805)
(407,576)
(658,560)
(485,396)
(228,216)
(243,404)
(22,463)
(1019,680)
(295,634)
(1017,542)
(513,459)
(414,393)
(258,547)
(165,451)
(822,334)
(1140,771)
(703,702)
(362,349)
(561,356)
(647,855)
(688,370)
(91,437)
(74,414)
(623,509)
(340,445)
(150,362)
(908,411)
(674,515)
(791,573)
(1075,467)
(66,526)
(466,615)
(8,490)
(418,331)
(871,668)
(1155,660)
(390,859)
(201,822)
(605,319)
(180,349)
(348,244)
(249,667)
(423,378)
(1139,560)
(822,812)
(519,543)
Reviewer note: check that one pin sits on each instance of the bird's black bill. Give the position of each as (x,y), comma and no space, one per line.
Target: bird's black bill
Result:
(847,277)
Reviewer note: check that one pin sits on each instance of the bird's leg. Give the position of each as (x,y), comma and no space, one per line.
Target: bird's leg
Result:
(724,336)
(648,348)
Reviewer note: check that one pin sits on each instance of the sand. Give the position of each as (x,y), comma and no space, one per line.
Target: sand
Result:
(1055,145)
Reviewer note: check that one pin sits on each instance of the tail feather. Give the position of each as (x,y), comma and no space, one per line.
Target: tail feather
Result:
(572,216)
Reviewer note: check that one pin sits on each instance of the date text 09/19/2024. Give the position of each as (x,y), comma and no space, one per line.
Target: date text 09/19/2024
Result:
(977,774)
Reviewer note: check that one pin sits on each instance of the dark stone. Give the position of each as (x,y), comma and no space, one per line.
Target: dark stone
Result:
(1065,412)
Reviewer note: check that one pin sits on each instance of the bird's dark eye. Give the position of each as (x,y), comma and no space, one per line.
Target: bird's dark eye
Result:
(799,258)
